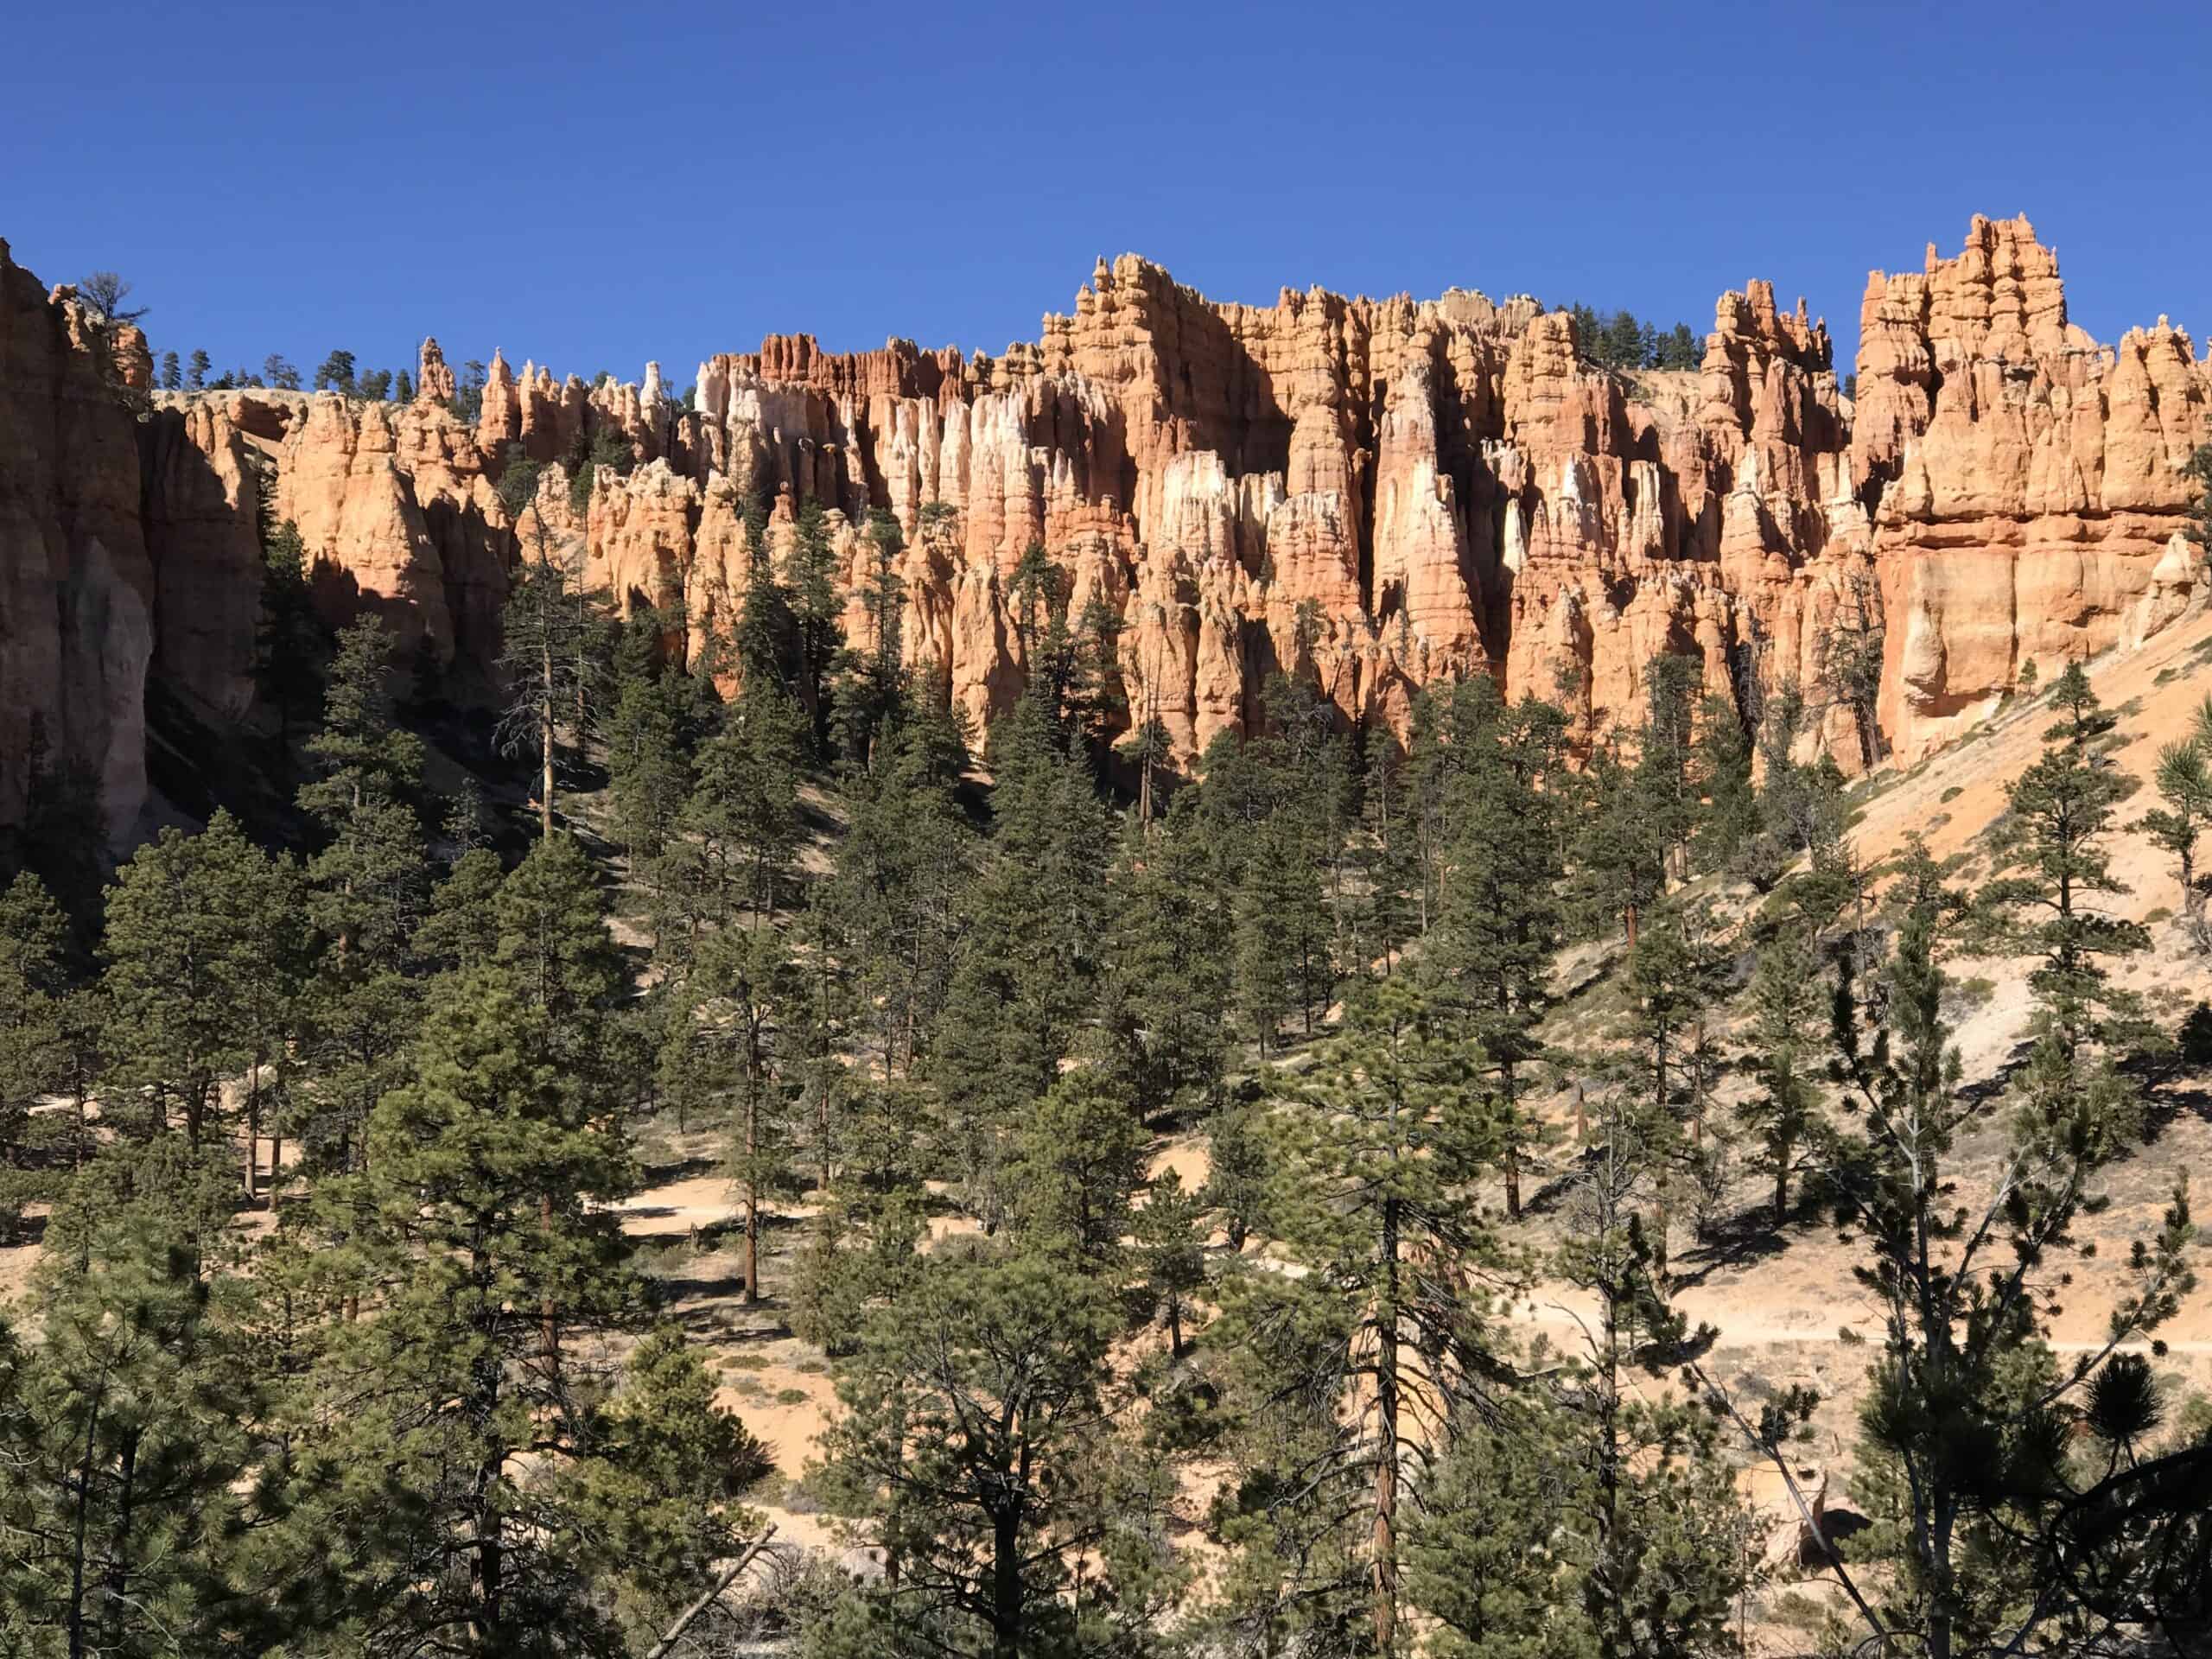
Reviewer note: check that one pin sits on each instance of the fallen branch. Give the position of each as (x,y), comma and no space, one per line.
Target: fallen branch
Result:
(667,1644)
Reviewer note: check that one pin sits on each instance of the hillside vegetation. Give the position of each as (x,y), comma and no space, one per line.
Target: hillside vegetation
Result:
(770,1169)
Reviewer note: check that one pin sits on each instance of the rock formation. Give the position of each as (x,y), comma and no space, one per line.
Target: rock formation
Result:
(2025,482)
(1375,493)
(76,588)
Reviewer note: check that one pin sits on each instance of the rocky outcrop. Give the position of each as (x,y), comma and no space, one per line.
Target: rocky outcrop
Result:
(399,517)
(1380,493)
(434,381)
(76,587)
(1383,493)
(2025,482)
(1375,493)
(205,464)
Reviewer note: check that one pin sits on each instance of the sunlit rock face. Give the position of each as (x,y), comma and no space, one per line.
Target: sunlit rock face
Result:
(1375,494)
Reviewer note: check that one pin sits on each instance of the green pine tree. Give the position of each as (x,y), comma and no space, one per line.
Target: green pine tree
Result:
(1500,917)
(2184,781)
(204,946)
(985,1447)
(35,1147)
(1382,1338)
(1029,966)
(1783,1059)
(1964,1437)
(1171,1235)
(732,1047)
(478,1481)
(127,1429)
(1169,970)
(1078,1161)
(2053,865)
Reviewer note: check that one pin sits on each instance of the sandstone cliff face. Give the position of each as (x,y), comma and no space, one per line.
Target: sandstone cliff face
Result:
(2025,481)
(1376,493)
(76,587)
(392,505)
(1380,493)
(1442,488)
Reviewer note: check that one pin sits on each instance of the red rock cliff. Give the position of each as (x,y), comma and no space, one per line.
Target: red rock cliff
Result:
(1378,492)
(76,588)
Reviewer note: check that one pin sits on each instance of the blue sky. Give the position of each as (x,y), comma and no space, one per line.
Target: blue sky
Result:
(596,185)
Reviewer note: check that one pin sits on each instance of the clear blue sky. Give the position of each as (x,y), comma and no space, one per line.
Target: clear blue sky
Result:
(596,185)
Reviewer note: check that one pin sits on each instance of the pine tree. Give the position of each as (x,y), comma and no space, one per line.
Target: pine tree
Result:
(288,639)
(1029,965)
(1500,917)
(35,1048)
(1963,1437)
(1849,652)
(369,894)
(871,1223)
(889,917)
(195,373)
(1801,807)
(549,635)
(204,946)
(461,931)
(1620,862)
(103,293)
(819,614)
(768,645)
(1783,1059)
(1171,1239)
(485,1474)
(551,938)
(335,374)
(983,1446)
(517,486)
(2198,471)
(870,692)
(2184,781)
(126,1429)
(1273,816)
(1169,971)
(1624,344)
(1729,818)
(1670,1058)
(1593,1515)
(1667,784)
(172,376)
(651,736)
(2052,866)
(1354,1362)
(1281,932)
(1032,594)
(731,1046)
(1077,1161)
(371,874)
(742,822)
(1237,1190)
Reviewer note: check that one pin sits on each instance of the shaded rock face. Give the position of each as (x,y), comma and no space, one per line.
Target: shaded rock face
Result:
(76,587)
(1379,494)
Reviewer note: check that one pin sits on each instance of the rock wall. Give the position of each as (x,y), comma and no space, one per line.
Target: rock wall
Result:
(1381,493)
(1443,488)
(2024,481)
(76,587)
